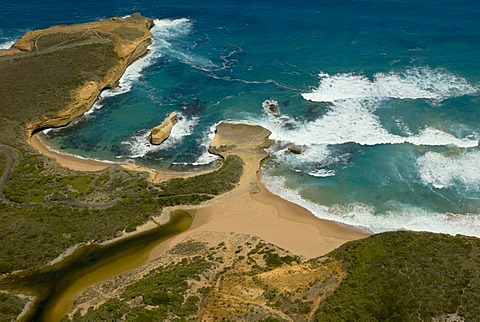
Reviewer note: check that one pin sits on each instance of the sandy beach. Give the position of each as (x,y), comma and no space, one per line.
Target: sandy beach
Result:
(76,163)
(250,208)
(271,218)
(68,161)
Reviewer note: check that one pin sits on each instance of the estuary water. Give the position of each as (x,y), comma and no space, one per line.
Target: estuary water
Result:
(381,96)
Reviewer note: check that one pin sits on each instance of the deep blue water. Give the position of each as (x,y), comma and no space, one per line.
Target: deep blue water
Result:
(383,96)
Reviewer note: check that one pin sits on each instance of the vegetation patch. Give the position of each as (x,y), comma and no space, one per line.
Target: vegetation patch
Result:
(224,180)
(41,84)
(160,296)
(128,33)
(11,306)
(215,282)
(406,276)
(45,216)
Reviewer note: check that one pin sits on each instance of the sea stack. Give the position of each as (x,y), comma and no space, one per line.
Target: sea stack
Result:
(161,132)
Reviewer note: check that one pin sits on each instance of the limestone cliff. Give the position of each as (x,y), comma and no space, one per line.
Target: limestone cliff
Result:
(129,37)
(161,132)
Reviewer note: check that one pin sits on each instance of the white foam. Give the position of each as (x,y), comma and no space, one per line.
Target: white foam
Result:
(442,172)
(365,218)
(6,45)
(167,30)
(414,83)
(353,99)
(311,160)
(163,30)
(434,137)
(206,157)
(171,28)
(354,121)
(322,173)
(139,145)
(96,106)
(270,106)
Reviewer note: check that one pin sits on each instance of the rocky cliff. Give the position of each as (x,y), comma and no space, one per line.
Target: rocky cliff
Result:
(126,39)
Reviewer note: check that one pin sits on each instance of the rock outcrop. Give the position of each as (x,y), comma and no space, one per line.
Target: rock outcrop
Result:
(161,132)
(271,106)
(295,149)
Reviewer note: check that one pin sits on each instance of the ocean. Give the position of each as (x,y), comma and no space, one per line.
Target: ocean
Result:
(381,96)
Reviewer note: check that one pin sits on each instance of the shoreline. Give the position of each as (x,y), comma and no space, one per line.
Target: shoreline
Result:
(248,209)
(269,217)
(78,163)
(66,160)
(251,207)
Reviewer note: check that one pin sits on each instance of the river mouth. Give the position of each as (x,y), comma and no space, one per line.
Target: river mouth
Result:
(57,286)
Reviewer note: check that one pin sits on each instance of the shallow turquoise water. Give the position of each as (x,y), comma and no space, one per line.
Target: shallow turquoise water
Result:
(383,96)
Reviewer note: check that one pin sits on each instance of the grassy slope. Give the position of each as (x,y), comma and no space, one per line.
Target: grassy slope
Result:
(223,281)
(406,276)
(11,306)
(49,208)
(396,276)
(37,232)
(40,84)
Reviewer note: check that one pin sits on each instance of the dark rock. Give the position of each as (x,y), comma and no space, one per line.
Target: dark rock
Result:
(271,106)
(295,149)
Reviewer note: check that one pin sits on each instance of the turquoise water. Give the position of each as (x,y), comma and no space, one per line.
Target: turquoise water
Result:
(382,96)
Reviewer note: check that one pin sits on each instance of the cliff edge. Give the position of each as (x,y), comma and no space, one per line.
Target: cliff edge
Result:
(102,50)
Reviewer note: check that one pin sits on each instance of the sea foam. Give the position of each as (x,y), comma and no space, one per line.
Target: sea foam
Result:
(442,172)
(166,31)
(139,145)
(413,83)
(7,44)
(364,217)
(353,100)
(206,157)
(162,31)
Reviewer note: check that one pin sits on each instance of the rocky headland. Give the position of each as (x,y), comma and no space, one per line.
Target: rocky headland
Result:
(129,37)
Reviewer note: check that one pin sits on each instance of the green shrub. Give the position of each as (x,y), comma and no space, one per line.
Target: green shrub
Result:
(406,276)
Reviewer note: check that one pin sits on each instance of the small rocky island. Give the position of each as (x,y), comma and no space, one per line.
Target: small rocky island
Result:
(161,132)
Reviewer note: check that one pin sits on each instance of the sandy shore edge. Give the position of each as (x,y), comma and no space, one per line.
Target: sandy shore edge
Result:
(66,160)
(77,163)
(250,208)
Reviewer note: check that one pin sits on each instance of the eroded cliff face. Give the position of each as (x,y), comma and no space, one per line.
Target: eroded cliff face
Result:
(126,39)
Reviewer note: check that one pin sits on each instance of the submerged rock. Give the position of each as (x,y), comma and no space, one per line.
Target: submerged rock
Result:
(161,132)
(271,106)
(295,149)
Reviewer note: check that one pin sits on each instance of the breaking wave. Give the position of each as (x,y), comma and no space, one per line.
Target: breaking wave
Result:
(443,172)
(364,217)
(139,145)
(414,83)
(7,44)
(163,31)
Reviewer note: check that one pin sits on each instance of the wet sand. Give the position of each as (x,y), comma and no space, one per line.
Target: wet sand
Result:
(251,209)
